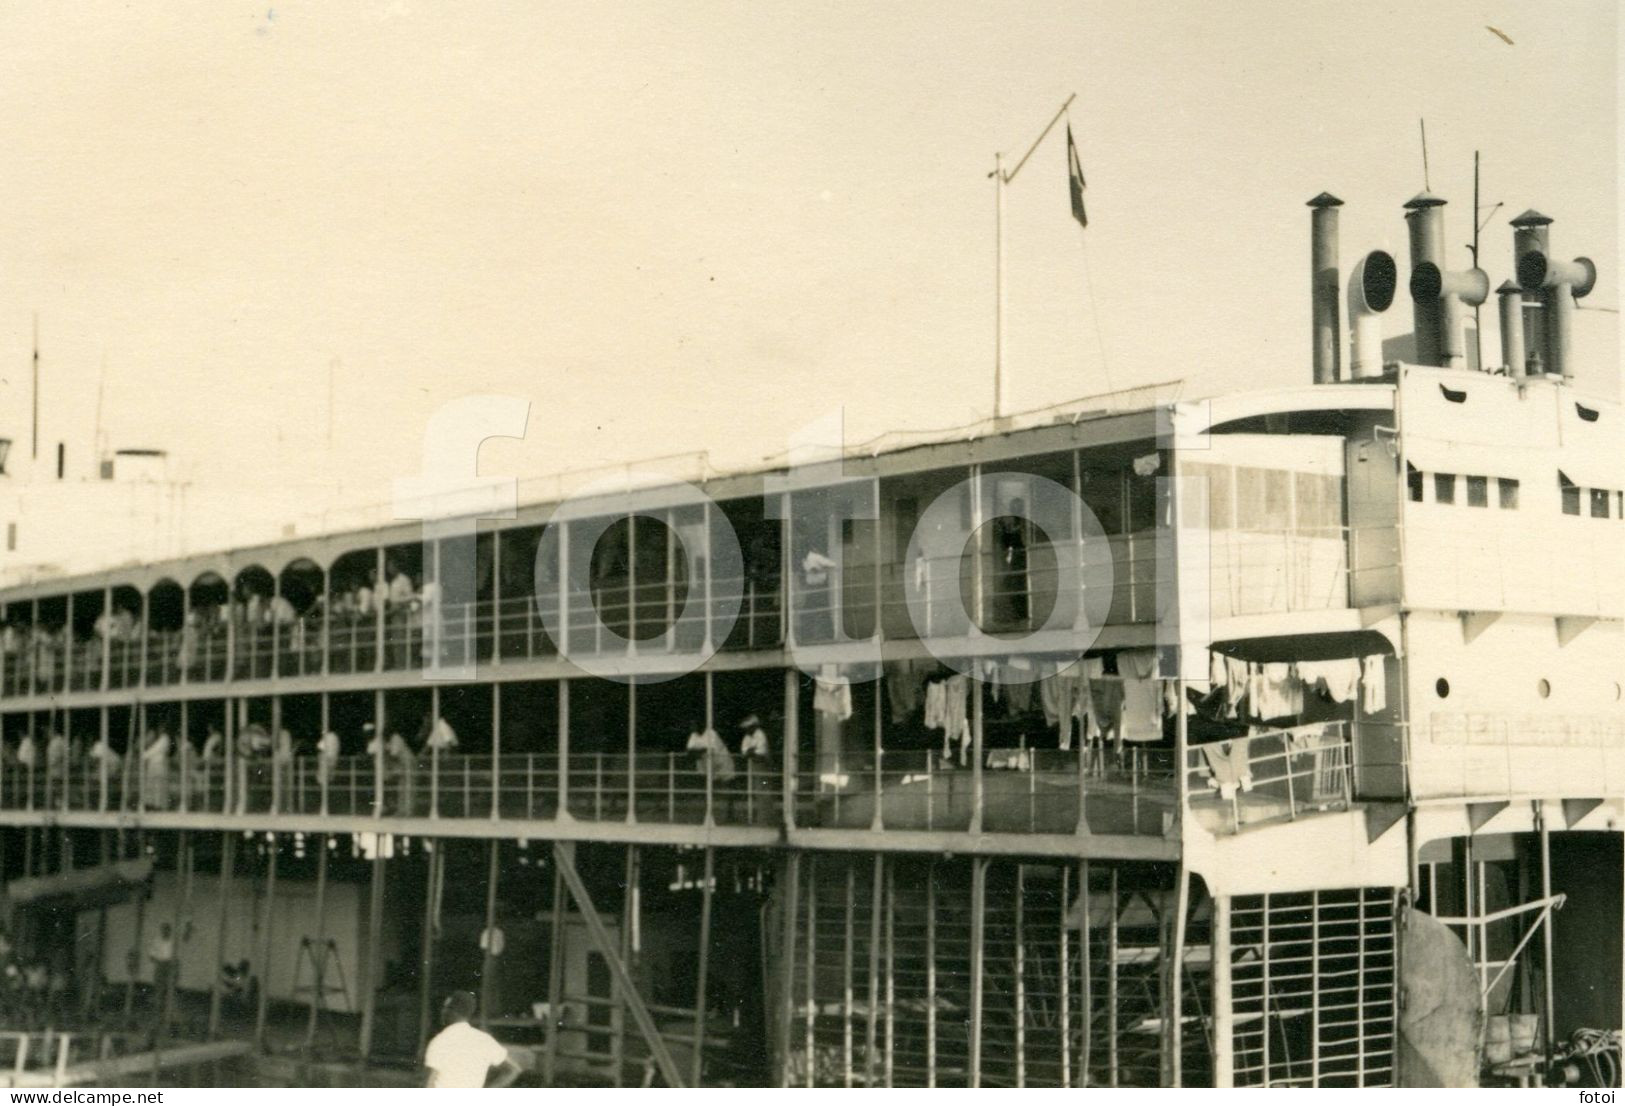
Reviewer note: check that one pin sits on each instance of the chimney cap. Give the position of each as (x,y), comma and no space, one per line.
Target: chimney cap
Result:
(1531,218)
(1507,288)
(1325,199)
(1424,199)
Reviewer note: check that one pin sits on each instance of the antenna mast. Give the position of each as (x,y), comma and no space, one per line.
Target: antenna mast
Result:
(34,441)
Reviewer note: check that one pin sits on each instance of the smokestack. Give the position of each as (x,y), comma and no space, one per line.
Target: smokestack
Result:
(1510,297)
(1323,280)
(1451,294)
(1530,235)
(1560,284)
(1424,219)
(1371,292)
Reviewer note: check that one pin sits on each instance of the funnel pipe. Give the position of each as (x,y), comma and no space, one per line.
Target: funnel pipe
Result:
(1424,220)
(1372,283)
(1323,287)
(1560,283)
(1510,299)
(1453,293)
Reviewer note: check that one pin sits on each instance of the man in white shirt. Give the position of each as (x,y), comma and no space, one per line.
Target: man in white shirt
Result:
(462,1056)
(442,738)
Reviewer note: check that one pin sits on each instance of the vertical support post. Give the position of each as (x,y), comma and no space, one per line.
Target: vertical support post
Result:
(877,905)
(1224,1023)
(434,719)
(978,962)
(488,938)
(379,796)
(318,944)
(555,968)
(808,1066)
(1314,985)
(792,742)
(265,944)
(431,923)
(878,822)
(631,750)
(1020,967)
(847,952)
(790,876)
(698,1066)
(369,965)
(931,977)
(1548,997)
(978,784)
(891,971)
(563,811)
(1112,937)
(496,742)
(228,860)
(1176,985)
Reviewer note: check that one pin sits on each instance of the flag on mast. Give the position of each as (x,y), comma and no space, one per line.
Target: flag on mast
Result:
(1074,173)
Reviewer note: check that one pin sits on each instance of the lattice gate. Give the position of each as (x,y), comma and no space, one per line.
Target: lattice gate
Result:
(1314,982)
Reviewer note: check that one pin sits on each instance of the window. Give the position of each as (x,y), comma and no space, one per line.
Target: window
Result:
(1413,481)
(1571,495)
(1478,491)
(1599,503)
(1509,494)
(11,537)
(1444,487)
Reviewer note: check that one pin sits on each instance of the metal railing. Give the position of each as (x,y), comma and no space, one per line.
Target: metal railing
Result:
(1127,791)
(1270,777)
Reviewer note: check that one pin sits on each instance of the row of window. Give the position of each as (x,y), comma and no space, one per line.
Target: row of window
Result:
(1475,491)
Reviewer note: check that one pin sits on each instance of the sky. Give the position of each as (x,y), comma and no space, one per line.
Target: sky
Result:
(274,240)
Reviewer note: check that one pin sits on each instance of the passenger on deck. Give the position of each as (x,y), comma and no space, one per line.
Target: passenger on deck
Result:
(710,751)
(104,762)
(161,951)
(282,766)
(442,739)
(327,758)
(753,746)
(462,1056)
(56,766)
(27,761)
(403,761)
(155,771)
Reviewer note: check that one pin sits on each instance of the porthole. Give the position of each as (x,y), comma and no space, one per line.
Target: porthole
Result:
(1441,688)
(1544,689)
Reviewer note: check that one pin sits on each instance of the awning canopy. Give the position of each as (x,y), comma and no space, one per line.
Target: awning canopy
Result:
(108,883)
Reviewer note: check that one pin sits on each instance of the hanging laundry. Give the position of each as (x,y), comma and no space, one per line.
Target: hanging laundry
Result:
(1142,710)
(902,689)
(936,705)
(1106,703)
(1339,679)
(1019,691)
(1374,678)
(1275,692)
(1230,767)
(1137,662)
(833,697)
(954,709)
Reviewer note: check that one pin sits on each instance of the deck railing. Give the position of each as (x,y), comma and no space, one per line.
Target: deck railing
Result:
(1132,790)
(1270,777)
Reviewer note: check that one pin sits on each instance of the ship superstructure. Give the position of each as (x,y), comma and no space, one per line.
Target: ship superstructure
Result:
(1138,745)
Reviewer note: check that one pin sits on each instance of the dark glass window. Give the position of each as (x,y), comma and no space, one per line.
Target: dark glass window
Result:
(1478,491)
(1509,494)
(1444,487)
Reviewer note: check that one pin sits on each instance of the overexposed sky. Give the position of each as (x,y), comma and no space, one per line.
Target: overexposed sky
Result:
(693,226)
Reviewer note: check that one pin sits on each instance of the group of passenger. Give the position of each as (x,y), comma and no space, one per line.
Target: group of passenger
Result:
(32,655)
(33,991)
